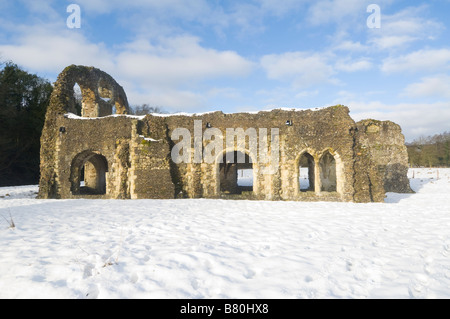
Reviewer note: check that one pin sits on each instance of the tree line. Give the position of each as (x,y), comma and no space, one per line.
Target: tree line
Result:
(431,151)
(24,99)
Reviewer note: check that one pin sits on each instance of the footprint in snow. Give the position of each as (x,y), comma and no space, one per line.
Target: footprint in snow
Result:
(428,266)
(92,292)
(249,274)
(194,284)
(348,265)
(446,250)
(88,269)
(134,278)
(418,287)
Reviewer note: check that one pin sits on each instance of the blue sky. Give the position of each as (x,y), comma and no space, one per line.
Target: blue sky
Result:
(199,55)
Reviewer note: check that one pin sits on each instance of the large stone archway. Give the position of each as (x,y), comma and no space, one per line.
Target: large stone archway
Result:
(88,167)
(228,164)
(231,164)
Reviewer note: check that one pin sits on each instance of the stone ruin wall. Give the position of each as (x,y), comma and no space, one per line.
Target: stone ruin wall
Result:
(332,125)
(385,145)
(133,154)
(100,96)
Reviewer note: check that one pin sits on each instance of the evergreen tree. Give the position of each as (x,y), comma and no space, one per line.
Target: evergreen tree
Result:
(24,99)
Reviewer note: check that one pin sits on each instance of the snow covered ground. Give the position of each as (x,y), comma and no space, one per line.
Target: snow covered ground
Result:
(228,249)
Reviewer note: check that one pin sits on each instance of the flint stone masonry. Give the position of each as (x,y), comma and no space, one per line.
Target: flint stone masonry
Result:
(101,152)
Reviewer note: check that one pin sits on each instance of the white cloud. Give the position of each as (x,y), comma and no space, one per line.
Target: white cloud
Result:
(280,8)
(348,45)
(167,70)
(305,69)
(303,94)
(302,68)
(435,86)
(224,92)
(392,41)
(177,8)
(42,50)
(178,60)
(403,28)
(335,11)
(168,99)
(429,60)
(416,119)
(353,66)
(248,16)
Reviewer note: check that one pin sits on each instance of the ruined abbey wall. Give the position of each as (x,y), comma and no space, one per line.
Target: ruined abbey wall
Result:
(100,155)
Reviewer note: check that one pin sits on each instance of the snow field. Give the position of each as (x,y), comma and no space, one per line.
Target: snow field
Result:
(228,249)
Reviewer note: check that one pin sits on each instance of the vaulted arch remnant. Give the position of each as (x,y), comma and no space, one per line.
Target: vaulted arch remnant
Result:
(100,94)
(88,174)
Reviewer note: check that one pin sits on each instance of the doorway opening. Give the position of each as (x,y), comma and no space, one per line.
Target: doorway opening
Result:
(88,174)
(328,178)
(236,173)
(306,173)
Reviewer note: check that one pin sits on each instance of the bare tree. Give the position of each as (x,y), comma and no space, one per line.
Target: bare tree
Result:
(146,109)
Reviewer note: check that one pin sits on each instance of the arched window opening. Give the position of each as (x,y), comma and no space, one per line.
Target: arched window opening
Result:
(306,173)
(328,173)
(105,93)
(235,174)
(78,96)
(88,174)
(107,105)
